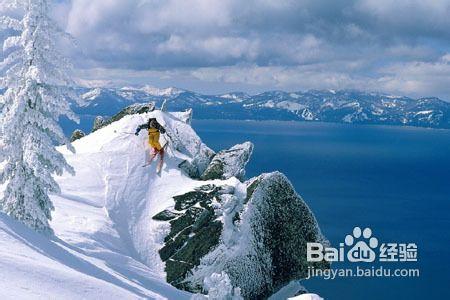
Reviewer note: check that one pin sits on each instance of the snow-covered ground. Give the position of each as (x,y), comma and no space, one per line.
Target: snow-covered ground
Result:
(106,244)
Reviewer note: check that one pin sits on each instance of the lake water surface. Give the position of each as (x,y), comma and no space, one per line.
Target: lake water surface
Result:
(395,180)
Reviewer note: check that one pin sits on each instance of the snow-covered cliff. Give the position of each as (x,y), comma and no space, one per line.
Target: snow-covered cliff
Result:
(124,231)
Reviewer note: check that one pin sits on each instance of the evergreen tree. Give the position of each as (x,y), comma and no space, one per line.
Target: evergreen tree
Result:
(35,76)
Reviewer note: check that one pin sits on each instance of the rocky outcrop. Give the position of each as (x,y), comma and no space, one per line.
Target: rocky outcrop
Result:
(132,110)
(229,163)
(99,122)
(198,155)
(197,166)
(76,135)
(277,224)
(194,231)
(187,118)
(259,227)
(129,110)
(218,286)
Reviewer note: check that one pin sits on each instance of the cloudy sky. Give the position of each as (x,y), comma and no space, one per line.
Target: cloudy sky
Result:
(212,46)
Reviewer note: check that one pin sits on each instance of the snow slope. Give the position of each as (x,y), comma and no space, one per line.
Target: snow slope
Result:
(105,244)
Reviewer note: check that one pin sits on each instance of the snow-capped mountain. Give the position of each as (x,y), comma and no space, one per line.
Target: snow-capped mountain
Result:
(124,232)
(327,106)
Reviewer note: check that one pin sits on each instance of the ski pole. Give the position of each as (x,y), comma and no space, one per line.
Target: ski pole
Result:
(169,143)
(123,132)
(133,140)
(170,138)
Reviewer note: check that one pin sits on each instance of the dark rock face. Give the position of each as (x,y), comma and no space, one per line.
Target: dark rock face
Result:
(193,232)
(166,215)
(76,135)
(203,195)
(229,163)
(189,169)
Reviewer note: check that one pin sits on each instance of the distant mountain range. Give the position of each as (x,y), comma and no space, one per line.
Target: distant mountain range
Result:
(343,106)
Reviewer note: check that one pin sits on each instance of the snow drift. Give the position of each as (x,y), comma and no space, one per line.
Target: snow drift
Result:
(123,232)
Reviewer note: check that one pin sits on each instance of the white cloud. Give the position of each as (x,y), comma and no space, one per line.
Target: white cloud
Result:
(181,15)
(220,47)
(399,46)
(418,78)
(446,58)
(289,78)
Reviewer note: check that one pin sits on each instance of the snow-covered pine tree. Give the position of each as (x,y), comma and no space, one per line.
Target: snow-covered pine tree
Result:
(35,76)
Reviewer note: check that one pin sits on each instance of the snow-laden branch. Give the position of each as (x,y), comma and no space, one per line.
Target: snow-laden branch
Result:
(12,4)
(12,58)
(11,42)
(10,23)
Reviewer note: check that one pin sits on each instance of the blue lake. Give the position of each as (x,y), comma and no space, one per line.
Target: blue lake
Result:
(395,180)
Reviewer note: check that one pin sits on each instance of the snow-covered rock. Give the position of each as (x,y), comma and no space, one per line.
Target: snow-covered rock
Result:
(198,155)
(76,135)
(229,163)
(132,110)
(270,228)
(194,229)
(99,122)
(185,116)
(219,287)
(237,228)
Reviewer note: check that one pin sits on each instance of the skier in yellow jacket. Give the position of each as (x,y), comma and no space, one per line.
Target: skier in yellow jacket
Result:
(154,129)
